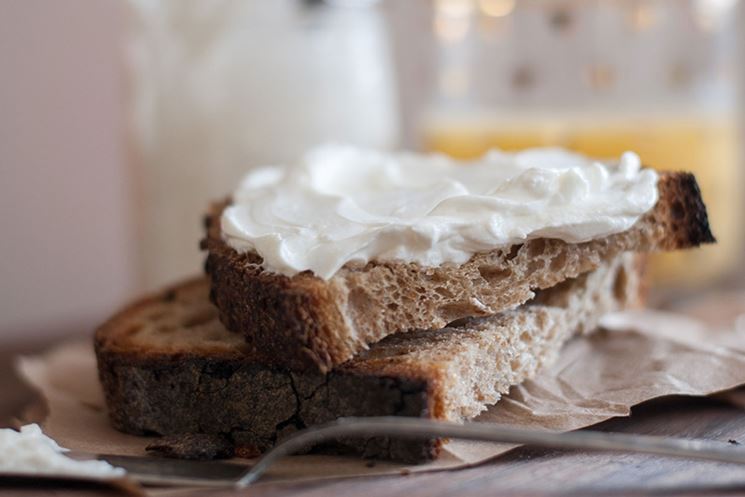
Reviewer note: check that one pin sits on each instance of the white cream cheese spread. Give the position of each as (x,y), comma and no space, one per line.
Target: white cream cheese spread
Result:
(29,451)
(341,204)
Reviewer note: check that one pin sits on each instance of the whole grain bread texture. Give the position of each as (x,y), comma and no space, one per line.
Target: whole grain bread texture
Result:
(304,322)
(169,367)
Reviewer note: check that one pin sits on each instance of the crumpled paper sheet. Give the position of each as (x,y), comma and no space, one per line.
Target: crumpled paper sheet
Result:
(638,356)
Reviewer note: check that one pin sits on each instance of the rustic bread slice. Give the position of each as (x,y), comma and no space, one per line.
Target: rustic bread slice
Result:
(305,322)
(168,366)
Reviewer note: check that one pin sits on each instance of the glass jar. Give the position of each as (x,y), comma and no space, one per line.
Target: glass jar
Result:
(596,76)
(221,86)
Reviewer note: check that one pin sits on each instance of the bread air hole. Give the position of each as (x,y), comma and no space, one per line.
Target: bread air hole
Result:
(456,310)
(493,274)
(558,262)
(514,250)
(536,265)
(620,284)
(358,301)
(536,247)
(444,292)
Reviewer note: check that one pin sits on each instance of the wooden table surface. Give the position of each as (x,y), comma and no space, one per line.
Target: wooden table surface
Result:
(524,471)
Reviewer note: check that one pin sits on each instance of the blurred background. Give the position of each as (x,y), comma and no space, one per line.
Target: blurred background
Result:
(121,120)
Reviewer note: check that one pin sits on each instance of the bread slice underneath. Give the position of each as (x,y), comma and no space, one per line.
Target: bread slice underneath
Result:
(304,322)
(168,366)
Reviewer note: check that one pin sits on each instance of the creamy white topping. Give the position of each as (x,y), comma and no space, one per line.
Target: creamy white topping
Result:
(341,204)
(29,451)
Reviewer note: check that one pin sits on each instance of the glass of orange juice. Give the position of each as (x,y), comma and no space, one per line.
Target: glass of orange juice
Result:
(600,77)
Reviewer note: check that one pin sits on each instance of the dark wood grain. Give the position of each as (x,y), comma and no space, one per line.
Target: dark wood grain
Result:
(525,471)
(549,472)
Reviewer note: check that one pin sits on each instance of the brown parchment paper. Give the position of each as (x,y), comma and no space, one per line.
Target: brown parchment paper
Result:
(635,357)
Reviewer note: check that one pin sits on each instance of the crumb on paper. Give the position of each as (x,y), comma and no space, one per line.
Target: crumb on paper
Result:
(194,446)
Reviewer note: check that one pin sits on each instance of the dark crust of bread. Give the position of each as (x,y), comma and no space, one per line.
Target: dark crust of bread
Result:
(151,393)
(298,323)
(168,367)
(688,212)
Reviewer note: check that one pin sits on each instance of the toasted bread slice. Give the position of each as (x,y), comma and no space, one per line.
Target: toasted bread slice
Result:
(304,322)
(168,366)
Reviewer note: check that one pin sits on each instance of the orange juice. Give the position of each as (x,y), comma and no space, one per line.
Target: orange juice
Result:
(704,145)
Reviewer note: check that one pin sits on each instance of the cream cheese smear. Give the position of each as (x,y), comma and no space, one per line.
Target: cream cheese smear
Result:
(30,452)
(341,204)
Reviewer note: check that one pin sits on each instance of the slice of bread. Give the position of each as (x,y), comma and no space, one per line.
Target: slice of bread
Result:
(168,366)
(304,322)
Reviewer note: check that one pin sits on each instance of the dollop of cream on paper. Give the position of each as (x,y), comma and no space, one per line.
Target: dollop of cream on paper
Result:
(30,452)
